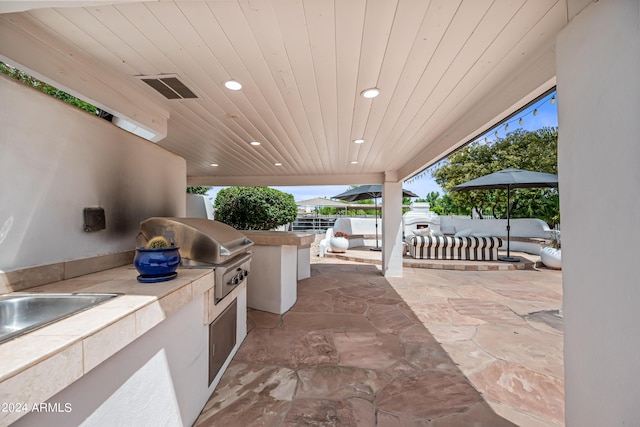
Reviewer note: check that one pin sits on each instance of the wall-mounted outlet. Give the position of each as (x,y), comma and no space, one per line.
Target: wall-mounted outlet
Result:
(94,219)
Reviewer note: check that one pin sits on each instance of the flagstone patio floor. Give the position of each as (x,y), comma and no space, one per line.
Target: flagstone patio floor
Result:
(433,348)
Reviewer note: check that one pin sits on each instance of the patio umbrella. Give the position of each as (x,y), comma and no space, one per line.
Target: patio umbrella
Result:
(508,179)
(318,201)
(366,192)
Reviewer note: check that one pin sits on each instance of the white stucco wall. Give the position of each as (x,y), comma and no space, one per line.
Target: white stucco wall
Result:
(198,206)
(598,60)
(55,160)
(358,226)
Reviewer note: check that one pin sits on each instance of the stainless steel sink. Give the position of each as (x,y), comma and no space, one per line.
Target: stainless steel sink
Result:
(23,312)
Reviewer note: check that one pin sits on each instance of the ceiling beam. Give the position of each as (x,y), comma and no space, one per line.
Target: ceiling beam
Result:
(287,180)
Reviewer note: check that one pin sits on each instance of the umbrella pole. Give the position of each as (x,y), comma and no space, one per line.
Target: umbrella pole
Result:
(509,258)
(377,248)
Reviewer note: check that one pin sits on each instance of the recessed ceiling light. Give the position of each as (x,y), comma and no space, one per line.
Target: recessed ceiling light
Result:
(215,165)
(354,162)
(256,143)
(371,92)
(232,85)
(358,141)
(278,164)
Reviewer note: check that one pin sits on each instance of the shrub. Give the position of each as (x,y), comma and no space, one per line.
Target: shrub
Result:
(198,189)
(255,208)
(341,234)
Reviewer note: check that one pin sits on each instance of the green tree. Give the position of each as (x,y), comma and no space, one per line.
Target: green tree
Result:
(442,204)
(363,211)
(529,150)
(432,198)
(326,210)
(447,206)
(198,189)
(255,208)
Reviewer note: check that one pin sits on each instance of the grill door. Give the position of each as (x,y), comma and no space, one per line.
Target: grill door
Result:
(222,339)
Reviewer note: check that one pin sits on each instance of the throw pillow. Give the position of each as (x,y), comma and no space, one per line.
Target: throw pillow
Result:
(448,229)
(464,233)
(421,232)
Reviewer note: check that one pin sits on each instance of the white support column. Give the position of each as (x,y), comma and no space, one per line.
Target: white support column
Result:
(392,227)
(598,64)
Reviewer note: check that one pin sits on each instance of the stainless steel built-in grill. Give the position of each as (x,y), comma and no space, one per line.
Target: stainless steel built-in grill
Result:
(205,243)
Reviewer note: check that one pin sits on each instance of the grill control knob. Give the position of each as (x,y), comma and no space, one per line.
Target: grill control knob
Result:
(246,273)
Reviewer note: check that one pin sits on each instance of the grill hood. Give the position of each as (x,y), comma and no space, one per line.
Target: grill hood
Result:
(199,239)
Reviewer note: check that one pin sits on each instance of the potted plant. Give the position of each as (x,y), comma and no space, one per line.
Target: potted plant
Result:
(157,261)
(339,242)
(551,256)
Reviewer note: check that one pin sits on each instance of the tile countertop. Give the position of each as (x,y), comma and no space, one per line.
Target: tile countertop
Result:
(66,350)
(279,238)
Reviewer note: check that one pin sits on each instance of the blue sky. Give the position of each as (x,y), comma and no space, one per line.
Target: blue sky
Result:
(423,184)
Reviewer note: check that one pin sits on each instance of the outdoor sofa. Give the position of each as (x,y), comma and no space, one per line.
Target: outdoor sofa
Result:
(471,248)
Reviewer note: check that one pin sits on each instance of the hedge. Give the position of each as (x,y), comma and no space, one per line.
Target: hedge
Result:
(255,208)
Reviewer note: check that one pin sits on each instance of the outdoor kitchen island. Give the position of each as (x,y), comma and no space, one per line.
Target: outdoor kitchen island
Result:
(283,258)
(139,359)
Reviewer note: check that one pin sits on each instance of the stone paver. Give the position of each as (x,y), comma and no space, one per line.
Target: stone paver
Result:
(427,395)
(542,395)
(435,348)
(515,356)
(537,350)
(267,393)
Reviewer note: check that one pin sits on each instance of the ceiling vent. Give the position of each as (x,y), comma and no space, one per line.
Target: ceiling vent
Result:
(169,86)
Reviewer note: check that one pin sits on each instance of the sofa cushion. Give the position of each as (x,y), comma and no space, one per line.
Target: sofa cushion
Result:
(476,234)
(464,233)
(448,229)
(460,248)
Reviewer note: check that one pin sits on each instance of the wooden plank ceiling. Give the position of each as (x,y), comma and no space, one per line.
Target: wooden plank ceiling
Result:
(303,65)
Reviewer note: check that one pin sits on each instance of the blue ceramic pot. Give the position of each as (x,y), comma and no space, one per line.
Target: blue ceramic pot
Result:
(156,262)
